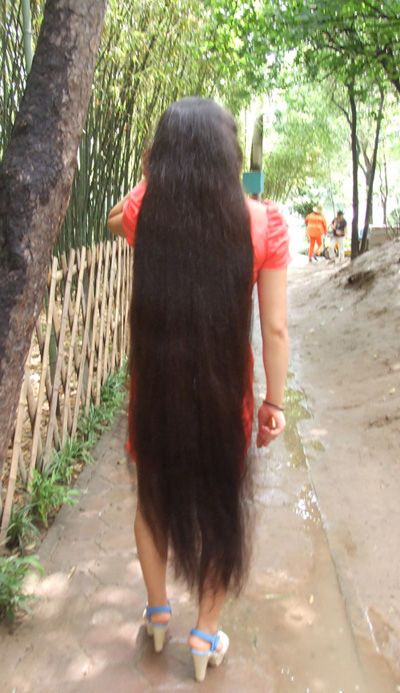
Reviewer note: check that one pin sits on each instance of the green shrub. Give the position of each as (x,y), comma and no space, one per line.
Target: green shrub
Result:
(100,417)
(63,461)
(48,493)
(13,571)
(22,530)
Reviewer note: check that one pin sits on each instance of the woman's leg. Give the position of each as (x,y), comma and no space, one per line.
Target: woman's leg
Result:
(210,607)
(332,245)
(153,564)
(311,248)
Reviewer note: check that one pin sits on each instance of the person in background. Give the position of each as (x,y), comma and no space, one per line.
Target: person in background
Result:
(200,246)
(339,230)
(316,228)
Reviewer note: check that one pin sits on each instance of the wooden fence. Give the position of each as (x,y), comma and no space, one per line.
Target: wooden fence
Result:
(80,338)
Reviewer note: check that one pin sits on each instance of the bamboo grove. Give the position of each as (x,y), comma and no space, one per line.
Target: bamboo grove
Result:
(151,53)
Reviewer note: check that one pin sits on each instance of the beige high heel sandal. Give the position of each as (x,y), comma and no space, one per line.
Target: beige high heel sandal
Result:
(212,657)
(155,630)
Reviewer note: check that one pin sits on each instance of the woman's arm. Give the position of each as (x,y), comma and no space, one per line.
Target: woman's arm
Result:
(273,318)
(114,220)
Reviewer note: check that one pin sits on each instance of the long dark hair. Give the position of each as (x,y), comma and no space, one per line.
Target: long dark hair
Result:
(190,344)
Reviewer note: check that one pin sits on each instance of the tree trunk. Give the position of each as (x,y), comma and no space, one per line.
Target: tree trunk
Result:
(355,156)
(371,176)
(384,189)
(36,177)
(331,195)
(367,169)
(256,155)
(256,158)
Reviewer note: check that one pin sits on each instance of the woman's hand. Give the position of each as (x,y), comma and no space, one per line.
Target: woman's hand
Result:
(271,422)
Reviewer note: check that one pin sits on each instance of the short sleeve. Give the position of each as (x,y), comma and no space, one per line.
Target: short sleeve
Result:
(277,254)
(130,212)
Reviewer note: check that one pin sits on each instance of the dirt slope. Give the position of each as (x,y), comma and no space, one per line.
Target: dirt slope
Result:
(345,330)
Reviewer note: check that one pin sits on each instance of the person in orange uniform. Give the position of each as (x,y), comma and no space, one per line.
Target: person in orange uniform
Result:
(316,228)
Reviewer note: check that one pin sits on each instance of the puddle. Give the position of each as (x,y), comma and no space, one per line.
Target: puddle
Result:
(317,445)
(307,508)
(295,411)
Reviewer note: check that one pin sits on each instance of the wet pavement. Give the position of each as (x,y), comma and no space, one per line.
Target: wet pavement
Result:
(290,630)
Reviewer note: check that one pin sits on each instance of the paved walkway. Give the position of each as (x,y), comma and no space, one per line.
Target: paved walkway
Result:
(290,629)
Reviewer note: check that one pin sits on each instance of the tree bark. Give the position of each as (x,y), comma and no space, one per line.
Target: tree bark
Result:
(256,158)
(36,178)
(371,174)
(256,155)
(355,158)
(384,189)
(367,170)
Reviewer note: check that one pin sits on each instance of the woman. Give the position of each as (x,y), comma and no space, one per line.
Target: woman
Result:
(199,249)
(338,229)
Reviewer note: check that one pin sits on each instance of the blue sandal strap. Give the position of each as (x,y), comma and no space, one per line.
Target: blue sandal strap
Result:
(212,639)
(152,610)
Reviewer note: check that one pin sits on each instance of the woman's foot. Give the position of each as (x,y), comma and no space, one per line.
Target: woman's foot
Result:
(208,649)
(197,643)
(156,619)
(162,618)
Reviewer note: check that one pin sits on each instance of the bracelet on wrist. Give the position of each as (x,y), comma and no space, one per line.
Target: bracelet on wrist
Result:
(274,406)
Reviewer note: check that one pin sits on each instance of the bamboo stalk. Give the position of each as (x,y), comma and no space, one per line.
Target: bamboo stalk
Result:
(45,361)
(57,330)
(109,311)
(117,308)
(32,406)
(22,468)
(84,349)
(100,249)
(71,357)
(48,385)
(81,259)
(102,325)
(12,480)
(27,32)
(61,274)
(64,264)
(60,359)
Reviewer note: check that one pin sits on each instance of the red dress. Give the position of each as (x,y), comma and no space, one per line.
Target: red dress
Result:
(269,235)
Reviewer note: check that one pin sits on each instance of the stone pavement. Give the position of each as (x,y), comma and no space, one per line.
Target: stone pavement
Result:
(289,630)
